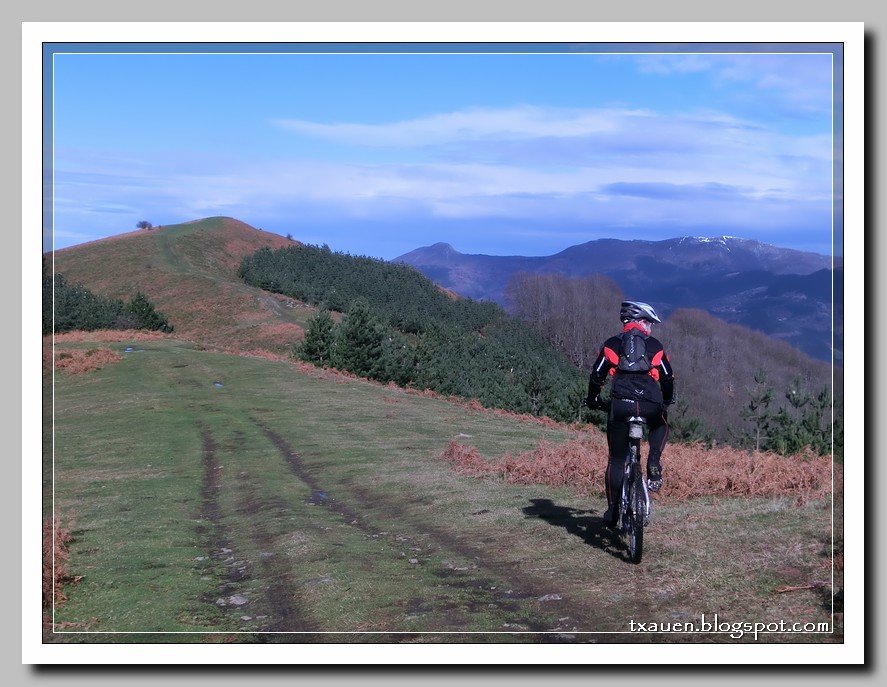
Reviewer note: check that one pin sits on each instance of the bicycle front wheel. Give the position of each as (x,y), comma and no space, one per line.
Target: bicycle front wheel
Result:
(637,513)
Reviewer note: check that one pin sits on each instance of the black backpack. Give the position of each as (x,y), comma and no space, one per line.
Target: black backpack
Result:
(633,353)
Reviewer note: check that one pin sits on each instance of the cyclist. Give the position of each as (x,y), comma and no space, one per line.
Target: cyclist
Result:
(642,384)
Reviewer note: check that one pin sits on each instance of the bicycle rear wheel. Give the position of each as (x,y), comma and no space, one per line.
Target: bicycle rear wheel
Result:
(636,515)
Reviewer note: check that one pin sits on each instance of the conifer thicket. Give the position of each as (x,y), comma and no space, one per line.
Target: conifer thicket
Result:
(397,326)
(69,307)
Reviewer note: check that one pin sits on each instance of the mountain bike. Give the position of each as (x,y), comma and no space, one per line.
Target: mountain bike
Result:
(635,504)
(635,496)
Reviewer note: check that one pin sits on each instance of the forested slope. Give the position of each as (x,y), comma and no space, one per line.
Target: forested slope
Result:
(399,327)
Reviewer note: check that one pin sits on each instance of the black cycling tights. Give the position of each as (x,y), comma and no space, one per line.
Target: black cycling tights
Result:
(617,439)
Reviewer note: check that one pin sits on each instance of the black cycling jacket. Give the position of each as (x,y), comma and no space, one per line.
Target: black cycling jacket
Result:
(655,385)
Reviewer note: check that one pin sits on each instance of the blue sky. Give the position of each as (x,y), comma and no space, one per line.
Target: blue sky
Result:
(494,152)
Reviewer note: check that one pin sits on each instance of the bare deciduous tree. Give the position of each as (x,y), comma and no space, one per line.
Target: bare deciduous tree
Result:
(575,314)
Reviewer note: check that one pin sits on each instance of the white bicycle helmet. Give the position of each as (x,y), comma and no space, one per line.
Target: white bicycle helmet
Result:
(635,310)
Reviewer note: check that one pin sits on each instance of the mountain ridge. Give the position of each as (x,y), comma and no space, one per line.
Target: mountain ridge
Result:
(788,294)
(442,251)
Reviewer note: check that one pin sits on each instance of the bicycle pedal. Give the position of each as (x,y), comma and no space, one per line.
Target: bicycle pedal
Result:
(654,484)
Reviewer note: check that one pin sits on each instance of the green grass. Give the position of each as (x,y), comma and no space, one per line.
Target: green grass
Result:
(200,480)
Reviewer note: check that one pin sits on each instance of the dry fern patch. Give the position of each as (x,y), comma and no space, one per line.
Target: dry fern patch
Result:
(690,470)
(74,361)
(56,536)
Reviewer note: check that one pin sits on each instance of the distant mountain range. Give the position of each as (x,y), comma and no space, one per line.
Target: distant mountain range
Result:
(787,294)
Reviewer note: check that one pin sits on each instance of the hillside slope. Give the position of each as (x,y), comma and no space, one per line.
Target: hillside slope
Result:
(189,272)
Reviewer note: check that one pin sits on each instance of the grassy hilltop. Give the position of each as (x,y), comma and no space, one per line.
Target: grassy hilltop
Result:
(189,272)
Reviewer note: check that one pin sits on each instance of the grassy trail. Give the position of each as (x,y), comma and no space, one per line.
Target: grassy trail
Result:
(217,498)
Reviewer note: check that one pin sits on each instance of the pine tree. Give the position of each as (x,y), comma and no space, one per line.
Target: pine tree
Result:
(824,422)
(685,428)
(145,316)
(359,342)
(757,410)
(320,338)
(398,363)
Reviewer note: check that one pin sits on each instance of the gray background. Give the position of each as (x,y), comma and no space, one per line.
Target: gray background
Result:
(451,10)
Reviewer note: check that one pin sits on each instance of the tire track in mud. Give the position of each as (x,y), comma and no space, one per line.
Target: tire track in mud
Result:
(495,582)
(284,611)
(580,614)
(215,534)
(319,495)
(211,528)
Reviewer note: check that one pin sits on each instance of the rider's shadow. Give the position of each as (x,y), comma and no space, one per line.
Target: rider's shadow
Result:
(590,528)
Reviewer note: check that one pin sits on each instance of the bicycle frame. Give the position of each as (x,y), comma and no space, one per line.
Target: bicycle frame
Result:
(636,426)
(635,504)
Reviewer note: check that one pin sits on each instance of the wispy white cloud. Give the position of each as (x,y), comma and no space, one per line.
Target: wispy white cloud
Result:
(477,133)
(478,124)
(516,150)
(799,82)
(665,64)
